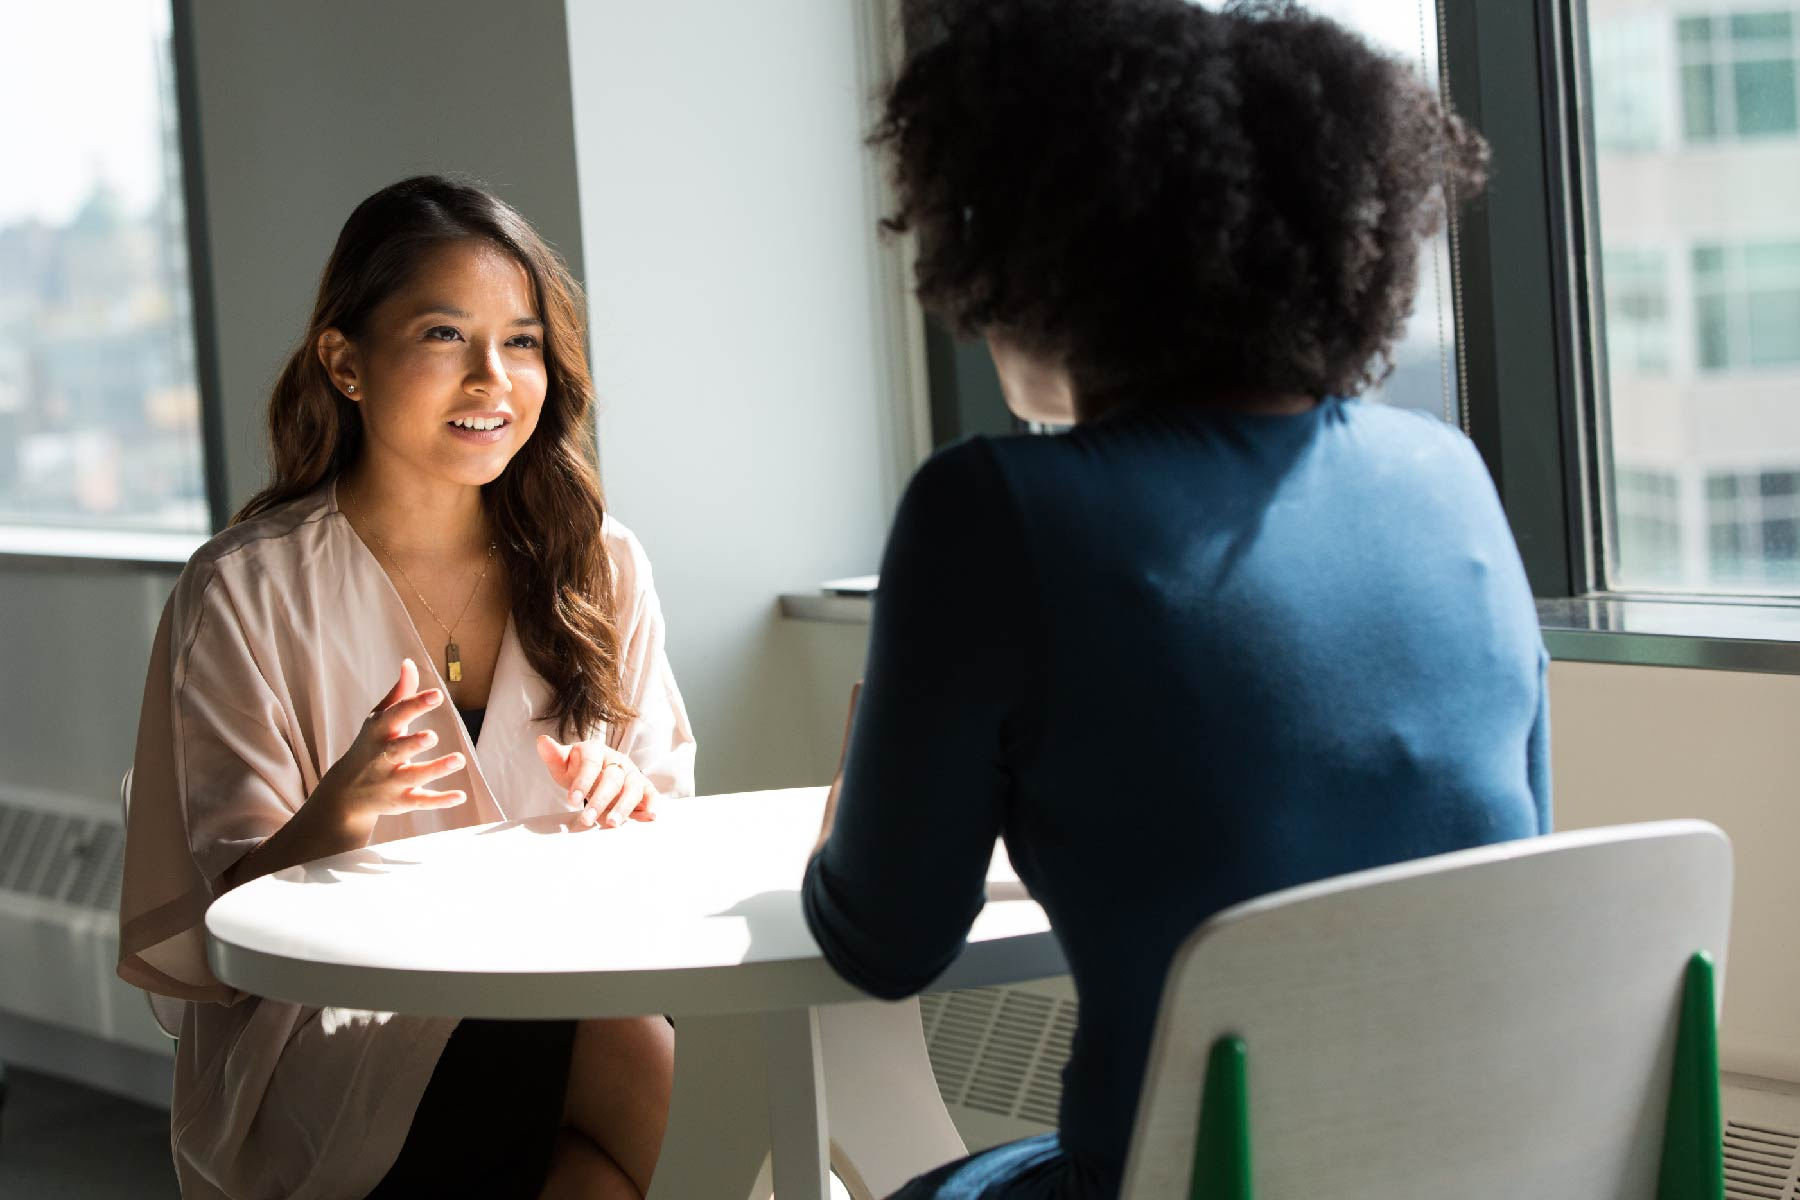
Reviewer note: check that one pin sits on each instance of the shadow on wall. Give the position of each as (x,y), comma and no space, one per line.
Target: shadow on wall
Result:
(768,701)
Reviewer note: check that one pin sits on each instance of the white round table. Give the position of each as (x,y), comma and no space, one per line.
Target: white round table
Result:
(696,915)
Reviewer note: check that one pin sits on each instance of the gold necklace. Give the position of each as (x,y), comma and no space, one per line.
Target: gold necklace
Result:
(452,652)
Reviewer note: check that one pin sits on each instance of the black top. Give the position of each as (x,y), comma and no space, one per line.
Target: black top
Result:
(472,717)
(1177,659)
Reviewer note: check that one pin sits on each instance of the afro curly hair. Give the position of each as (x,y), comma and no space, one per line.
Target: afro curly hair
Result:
(1172,201)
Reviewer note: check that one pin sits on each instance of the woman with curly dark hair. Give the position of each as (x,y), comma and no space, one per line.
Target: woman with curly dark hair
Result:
(1237,630)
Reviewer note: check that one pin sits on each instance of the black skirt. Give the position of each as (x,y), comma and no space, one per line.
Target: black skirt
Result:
(488,1121)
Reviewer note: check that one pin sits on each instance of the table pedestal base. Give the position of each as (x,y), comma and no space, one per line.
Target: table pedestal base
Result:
(850,1084)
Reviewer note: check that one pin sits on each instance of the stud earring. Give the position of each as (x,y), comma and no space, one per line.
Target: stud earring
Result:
(351,388)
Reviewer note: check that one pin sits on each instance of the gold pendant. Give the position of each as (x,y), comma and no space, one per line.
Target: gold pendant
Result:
(453,662)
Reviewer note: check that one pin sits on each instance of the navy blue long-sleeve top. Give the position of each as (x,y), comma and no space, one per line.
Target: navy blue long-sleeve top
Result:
(1177,658)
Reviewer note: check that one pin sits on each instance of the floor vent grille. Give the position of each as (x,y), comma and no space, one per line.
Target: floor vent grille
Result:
(999,1050)
(71,858)
(1761,1162)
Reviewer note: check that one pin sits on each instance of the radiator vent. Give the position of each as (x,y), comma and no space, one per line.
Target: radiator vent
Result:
(1760,1162)
(999,1050)
(72,858)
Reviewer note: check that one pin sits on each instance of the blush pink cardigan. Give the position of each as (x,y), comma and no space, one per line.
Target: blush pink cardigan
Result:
(280,636)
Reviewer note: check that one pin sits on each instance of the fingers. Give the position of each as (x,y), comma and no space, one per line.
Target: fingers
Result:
(603,801)
(585,767)
(646,809)
(417,774)
(631,794)
(394,719)
(406,685)
(421,798)
(556,758)
(398,750)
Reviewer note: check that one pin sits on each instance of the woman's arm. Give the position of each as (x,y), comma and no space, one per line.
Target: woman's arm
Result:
(947,709)
(1537,750)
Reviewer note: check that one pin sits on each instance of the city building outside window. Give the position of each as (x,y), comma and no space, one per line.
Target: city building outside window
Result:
(98,388)
(1637,311)
(1696,161)
(1747,305)
(1753,527)
(1737,75)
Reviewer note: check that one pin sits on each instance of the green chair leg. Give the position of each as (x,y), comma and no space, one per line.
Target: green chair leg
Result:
(1693,1153)
(1222,1146)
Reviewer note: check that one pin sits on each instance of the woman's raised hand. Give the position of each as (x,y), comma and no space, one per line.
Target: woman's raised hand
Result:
(605,784)
(377,776)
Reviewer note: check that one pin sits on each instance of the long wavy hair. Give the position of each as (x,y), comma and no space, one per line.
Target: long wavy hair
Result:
(546,507)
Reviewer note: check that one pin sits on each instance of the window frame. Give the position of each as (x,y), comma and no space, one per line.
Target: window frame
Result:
(1529,288)
(1534,287)
(27,543)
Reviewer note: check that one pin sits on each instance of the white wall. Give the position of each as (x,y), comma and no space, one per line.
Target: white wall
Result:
(307,108)
(1647,743)
(740,341)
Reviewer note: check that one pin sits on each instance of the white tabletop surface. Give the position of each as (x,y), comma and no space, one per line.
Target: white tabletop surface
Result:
(697,912)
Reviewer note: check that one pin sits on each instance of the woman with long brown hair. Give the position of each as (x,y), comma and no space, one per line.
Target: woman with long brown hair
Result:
(426,620)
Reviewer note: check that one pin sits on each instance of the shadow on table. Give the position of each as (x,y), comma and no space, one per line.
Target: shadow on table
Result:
(369,861)
(768,915)
(561,822)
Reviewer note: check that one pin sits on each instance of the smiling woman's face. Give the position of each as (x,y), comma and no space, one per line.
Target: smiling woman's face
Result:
(449,374)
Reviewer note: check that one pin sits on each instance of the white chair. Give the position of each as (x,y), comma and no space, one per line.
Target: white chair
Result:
(165,1010)
(1495,1024)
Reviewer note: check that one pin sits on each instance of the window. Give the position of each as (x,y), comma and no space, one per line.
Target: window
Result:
(1753,527)
(1631,108)
(1649,521)
(1426,373)
(1637,311)
(97,361)
(1737,75)
(1747,305)
(966,396)
(1699,257)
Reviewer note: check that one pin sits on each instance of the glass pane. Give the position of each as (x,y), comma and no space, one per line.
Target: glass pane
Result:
(1708,261)
(1713,332)
(1779,540)
(1699,102)
(96,344)
(1765,97)
(1750,26)
(1631,111)
(1696,32)
(1424,377)
(1637,312)
(1774,328)
(1721,419)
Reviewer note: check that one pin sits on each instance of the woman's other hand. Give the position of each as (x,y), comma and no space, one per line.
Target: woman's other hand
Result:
(604,783)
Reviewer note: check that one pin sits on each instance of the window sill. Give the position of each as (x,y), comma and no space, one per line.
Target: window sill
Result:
(52,545)
(831,609)
(1707,633)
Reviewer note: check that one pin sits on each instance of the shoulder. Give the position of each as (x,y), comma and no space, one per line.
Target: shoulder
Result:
(959,513)
(960,477)
(630,562)
(1401,427)
(281,531)
(276,543)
